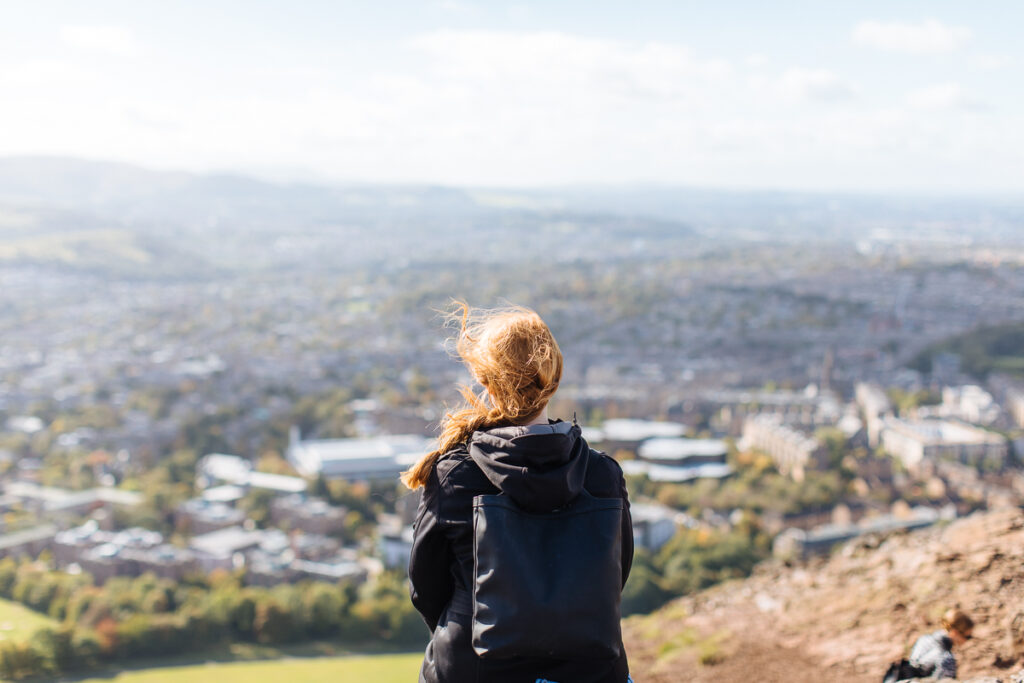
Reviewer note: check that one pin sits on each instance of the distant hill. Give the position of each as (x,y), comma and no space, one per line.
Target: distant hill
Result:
(997,348)
(63,182)
(188,224)
(845,618)
(136,192)
(155,200)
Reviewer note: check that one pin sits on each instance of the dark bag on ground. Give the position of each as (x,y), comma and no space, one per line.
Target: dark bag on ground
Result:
(547,585)
(903,670)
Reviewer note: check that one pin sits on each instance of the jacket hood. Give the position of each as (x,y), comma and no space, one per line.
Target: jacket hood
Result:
(541,467)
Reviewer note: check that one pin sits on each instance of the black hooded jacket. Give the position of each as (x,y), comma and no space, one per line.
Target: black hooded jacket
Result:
(541,467)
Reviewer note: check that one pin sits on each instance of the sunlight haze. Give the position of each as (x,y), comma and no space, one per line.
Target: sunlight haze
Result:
(802,95)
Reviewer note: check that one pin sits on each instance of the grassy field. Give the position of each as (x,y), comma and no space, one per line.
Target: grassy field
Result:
(18,622)
(401,668)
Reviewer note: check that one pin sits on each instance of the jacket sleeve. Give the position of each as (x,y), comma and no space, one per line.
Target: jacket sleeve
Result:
(946,667)
(430,580)
(627,533)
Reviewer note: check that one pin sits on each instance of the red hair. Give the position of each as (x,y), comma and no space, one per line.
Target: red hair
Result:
(512,353)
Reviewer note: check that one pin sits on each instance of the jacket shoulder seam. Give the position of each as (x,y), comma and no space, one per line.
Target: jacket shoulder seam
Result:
(458,459)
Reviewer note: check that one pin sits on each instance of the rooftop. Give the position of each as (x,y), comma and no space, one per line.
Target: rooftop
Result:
(674,448)
(236,470)
(54,498)
(226,541)
(358,457)
(935,432)
(676,473)
(637,430)
(37,533)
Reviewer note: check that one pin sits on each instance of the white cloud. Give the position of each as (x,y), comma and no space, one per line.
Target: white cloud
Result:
(756,60)
(519,108)
(815,84)
(46,74)
(562,65)
(943,96)
(929,37)
(111,40)
(990,62)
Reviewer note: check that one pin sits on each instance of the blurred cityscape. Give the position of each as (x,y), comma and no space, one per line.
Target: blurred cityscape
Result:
(206,374)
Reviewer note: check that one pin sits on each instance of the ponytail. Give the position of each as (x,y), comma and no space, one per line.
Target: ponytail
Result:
(456,429)
(513,354)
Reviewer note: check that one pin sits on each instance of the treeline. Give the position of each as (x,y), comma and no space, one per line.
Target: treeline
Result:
(695,559)
(756,487)
(128,618)
(692,560)
(984,350)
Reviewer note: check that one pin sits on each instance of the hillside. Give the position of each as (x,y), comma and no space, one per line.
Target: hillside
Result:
(120,219)
(981,351)
(845,618)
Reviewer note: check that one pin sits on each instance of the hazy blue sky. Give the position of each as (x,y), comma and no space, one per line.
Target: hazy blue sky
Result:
(810,95)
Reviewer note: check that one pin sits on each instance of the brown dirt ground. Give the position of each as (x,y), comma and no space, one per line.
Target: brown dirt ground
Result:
(846,618)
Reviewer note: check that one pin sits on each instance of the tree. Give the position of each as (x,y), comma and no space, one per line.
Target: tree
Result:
(325,605)
(243,616)
(55,648)
(273,623)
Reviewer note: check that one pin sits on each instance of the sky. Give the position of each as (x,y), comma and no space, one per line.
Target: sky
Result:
(796,95)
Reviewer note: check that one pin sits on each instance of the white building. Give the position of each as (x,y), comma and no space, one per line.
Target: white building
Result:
(232,469)
(223,549)
(333,571)
(48,501)
(381,457)
(969,403)
(678,459)
(653,525)
(635,431)
(1015,404)
(809,408)
(876,406)
(201,516)
(919,441)
(394,542)
(799,543)
(680,451)
(792,451)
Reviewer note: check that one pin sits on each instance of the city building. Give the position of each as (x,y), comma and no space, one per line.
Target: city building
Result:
(969,403)
(53,503)
(807,408)
(623,434)
(317,547)
(130,552)
(875,406)
(332,571)
(221,468)
(800,544)
(920,443)
(309,515)
(381,457)
(1015,404)
(653,525)
(27,543)
(394,541)
(108,560)
(678,459)
(793,451)
(223,549)
(201,516)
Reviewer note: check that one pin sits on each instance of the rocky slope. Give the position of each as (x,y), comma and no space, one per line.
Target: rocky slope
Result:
(847,617)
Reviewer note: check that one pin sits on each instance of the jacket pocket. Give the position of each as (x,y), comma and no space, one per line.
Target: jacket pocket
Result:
(450,657)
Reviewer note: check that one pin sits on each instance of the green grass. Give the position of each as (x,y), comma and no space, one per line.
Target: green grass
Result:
(18,622)
(392,668)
